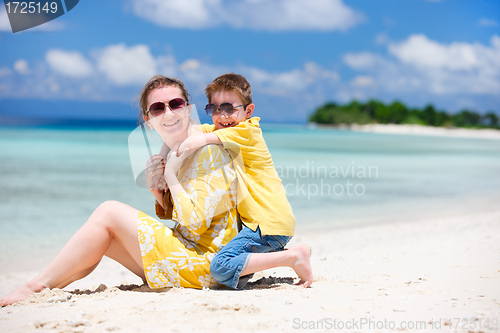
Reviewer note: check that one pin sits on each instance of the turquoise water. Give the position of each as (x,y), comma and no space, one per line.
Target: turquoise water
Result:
(52,179)
(412,177)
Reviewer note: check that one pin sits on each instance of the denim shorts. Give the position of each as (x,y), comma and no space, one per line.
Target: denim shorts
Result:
(227,265)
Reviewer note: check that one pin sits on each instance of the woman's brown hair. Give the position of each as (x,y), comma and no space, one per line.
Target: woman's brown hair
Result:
(155,82)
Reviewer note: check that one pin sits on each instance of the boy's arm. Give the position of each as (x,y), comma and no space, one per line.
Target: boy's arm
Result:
(197,141)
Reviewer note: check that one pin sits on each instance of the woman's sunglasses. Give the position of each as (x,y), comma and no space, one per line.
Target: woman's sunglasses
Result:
(227,108)
(158,108)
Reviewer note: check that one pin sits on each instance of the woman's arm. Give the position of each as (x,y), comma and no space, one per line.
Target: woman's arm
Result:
(158,194)
(211,184)
(155,168)
(155,180)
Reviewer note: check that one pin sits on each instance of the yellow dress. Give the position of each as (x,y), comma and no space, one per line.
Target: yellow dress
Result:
(206,220)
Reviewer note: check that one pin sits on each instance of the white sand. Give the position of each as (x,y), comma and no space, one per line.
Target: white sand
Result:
(421,130)
(412,274)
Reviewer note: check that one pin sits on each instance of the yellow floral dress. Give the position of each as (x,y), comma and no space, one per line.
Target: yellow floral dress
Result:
(206,220)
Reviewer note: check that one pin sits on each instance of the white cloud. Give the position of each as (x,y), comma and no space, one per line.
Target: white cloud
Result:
(124,65)
(278,84)
(425,67)
(363,81)
(190,65)
(271,15)
(418,50)
(198,74)
(360,61)
(191,14)
(69,63)
(296,15)
(485,22)
(22,67)
(118,72)
(288,83)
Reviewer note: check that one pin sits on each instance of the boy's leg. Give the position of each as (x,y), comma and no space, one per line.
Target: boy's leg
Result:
(227,266)
(248,253)
(297,258)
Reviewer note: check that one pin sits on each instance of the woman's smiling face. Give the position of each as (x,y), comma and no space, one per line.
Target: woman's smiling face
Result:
(169,123)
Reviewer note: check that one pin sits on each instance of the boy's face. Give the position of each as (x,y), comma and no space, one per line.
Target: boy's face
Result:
(222,120)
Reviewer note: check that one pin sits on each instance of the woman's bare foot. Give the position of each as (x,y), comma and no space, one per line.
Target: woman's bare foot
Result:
(21,293)
(302,264)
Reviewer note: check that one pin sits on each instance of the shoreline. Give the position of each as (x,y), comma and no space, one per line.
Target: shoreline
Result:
(485,133)
(26,263)
(429,272)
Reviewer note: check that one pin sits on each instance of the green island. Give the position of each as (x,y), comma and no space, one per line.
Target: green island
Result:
(374,111)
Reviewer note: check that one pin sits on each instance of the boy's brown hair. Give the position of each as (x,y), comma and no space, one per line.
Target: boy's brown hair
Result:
(231,82)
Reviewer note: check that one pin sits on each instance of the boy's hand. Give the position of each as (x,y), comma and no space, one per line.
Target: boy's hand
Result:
(192,143)
(175,160)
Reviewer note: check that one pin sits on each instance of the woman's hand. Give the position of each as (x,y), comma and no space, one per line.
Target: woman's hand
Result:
(155,168)
(154,172)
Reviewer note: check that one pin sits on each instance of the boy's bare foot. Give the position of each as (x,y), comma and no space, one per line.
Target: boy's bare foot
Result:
(302,264)
(21,293)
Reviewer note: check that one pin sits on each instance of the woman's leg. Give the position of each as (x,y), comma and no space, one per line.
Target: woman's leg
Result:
(77,276)
(297,257)
(111,221)
(116,252)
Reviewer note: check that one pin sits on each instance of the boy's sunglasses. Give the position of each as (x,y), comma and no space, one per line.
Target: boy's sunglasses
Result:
(158,108)
(227,108)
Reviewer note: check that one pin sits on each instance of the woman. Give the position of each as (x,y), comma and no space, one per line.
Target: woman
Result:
(204,207)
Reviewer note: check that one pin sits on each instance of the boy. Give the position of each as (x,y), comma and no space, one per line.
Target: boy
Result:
(264,211)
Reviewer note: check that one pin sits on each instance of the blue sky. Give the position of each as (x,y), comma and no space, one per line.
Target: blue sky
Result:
(297,54)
